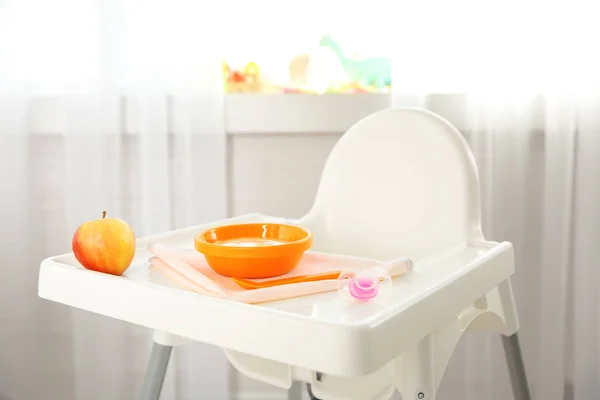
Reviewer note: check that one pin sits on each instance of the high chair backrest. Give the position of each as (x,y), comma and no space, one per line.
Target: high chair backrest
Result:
(400,182)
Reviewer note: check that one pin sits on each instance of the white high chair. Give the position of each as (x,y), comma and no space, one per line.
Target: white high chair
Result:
(399,183)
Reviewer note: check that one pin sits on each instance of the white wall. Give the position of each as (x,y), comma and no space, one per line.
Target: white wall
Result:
(276,174)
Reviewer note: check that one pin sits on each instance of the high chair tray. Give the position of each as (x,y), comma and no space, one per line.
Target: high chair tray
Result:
(317,332)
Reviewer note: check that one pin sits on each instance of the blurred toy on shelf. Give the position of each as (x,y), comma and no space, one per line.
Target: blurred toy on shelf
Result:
(375,71)
(226,71)
(252,73)
(299,69)
(322,69)
(319,71)
(246,80)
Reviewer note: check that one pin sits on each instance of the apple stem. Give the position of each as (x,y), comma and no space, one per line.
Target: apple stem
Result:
(103,214)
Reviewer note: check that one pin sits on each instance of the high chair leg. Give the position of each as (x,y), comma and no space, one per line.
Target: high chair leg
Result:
(156,371)
(311,396)
(516,367)
(309,388)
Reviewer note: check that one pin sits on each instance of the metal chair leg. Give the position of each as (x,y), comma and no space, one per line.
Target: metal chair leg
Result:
(516,367)
(295,391)
(156,371)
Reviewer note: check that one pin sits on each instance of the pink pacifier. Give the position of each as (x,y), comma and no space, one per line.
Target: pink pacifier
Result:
(364,285)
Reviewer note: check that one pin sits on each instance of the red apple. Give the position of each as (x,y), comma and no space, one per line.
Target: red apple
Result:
(104,245)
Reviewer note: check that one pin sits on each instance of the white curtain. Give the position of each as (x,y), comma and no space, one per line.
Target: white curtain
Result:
(104,105)
(530,109)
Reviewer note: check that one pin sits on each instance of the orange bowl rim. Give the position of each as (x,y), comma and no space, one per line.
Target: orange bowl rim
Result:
(211,249)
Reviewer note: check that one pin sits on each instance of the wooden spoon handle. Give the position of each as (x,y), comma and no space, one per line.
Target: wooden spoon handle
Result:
(250,284)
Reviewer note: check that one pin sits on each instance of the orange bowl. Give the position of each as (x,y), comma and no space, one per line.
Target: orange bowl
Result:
(253,251)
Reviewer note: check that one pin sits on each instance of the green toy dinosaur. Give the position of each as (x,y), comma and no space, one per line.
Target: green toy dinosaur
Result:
(375,72)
